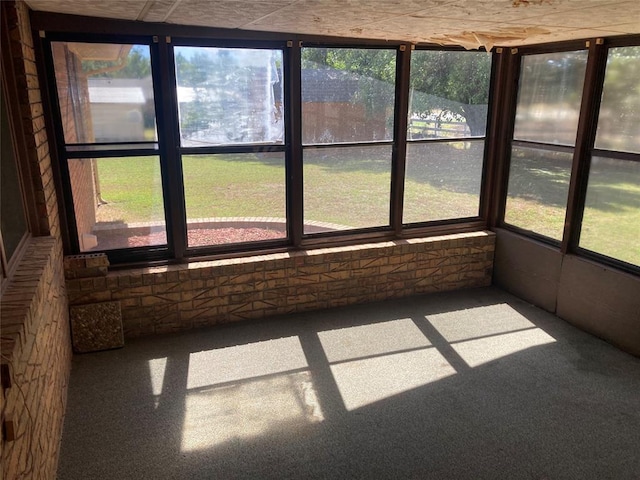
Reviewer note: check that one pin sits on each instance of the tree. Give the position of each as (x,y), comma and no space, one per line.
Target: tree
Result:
(203,73)
(618,126)
(456,83)
(443,82)
(135,65)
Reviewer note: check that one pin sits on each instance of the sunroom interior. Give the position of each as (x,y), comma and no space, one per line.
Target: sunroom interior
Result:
(251,184)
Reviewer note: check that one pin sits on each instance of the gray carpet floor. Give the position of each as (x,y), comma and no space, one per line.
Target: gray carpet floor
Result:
(463,385)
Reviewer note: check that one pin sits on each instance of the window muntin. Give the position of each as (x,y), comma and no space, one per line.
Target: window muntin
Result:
(229,96)
(549,97)
(442,180)
(118,202)
(346,188)
(234,198)
(13,222)
(611,219)
(105,92)
(348,95)
(619,117)
(449,94)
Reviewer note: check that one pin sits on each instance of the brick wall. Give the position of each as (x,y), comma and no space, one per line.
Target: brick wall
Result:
(36,346)
(35,350)
(178,297)
(73,95)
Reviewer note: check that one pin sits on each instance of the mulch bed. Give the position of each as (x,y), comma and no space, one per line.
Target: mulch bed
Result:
(197,237)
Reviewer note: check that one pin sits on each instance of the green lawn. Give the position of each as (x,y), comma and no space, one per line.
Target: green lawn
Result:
(351,187)
(538,187)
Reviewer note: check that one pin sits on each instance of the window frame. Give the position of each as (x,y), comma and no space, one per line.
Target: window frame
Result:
(66,152)
(599,56)
(515,74)
(507,85)
(87,29)
(484,192)
(384,230)
(12,95)
(196,251)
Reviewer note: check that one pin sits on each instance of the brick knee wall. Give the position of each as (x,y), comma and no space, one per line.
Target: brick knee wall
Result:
(36,355)
(179,297)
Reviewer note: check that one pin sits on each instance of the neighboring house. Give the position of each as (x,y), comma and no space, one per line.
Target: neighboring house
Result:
(117,108)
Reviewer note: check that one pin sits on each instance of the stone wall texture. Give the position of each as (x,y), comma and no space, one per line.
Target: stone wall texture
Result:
(36,345)
(37,356)
(179,297)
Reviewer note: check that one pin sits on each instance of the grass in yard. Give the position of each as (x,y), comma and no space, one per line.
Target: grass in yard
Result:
(234,185)
(611,222)
(347,186)
(538,187)
(132,188)
(350,186)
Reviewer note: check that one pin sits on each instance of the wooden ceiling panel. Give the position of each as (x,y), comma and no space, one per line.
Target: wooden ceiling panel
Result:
(470,23)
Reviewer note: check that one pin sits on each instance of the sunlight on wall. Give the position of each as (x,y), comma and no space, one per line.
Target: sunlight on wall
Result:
(241,392)
(376,361)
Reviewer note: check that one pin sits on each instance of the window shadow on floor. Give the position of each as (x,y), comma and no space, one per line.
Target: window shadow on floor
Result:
(473,384)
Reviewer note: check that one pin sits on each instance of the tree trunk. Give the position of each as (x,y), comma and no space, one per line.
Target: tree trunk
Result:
(476,117)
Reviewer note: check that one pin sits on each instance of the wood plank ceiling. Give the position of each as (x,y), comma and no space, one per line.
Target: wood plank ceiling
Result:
(470,23)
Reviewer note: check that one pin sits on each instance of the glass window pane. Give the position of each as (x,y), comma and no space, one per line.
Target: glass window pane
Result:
(229,95)
(105,92)
(549,97)
(619,120)
(12,218)
(233,198)
(347,187)
(348,94)
(442,181)
(611,222)
(118,202)
(537,192)
(449,94)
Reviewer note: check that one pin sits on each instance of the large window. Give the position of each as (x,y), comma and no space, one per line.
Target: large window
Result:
(348,100)
(232,135)
(173,147)
(107,113)
(446,128)
(611,220)
(13,222)
(547,113)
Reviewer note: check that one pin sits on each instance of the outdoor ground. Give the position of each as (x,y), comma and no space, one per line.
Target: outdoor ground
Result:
(350,187)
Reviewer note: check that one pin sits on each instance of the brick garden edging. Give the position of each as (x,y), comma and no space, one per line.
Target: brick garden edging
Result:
(179,297)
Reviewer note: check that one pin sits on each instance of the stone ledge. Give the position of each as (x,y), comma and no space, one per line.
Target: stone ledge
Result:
(177,297)
(86,265)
